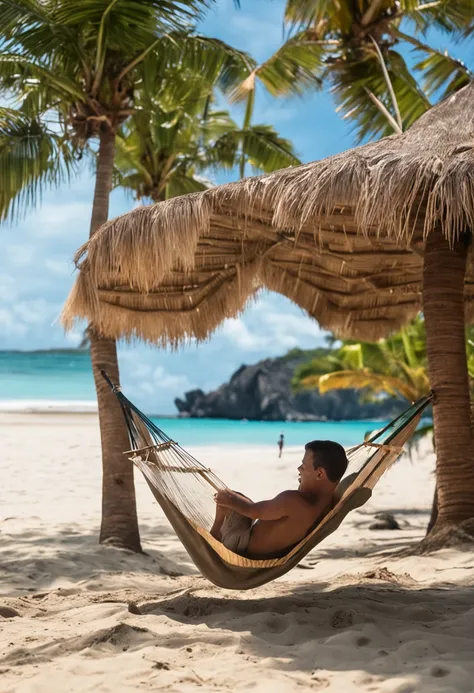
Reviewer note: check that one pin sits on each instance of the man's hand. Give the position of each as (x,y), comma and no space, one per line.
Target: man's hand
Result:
(225,497)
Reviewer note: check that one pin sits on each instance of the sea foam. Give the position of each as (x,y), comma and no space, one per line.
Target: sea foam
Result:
(42,406)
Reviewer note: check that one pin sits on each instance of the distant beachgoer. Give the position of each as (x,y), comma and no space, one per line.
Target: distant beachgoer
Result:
(281,442)
(271,526)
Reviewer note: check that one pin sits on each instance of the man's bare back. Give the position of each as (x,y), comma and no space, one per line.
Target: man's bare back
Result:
(300,512)
(283,521)
(280,522)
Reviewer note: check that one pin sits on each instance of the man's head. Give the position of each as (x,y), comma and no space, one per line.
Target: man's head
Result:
(324,462)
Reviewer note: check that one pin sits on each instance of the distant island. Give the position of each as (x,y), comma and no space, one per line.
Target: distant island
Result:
(262,392)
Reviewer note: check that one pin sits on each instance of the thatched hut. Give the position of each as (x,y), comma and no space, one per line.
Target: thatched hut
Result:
(362,241)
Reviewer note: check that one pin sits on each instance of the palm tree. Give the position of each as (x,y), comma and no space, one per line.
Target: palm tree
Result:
(84,64)
(357,49)
(373,87)
(361,49)
(396,366)
(175,139)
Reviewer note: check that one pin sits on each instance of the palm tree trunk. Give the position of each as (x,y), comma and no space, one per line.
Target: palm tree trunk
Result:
(119,512)
(434,512)
(443,301)
(434,504)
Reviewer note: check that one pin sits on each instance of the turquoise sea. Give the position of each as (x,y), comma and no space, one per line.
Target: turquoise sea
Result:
(46,376)
(63,380)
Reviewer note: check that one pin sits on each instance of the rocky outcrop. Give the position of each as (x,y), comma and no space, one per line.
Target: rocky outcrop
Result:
(263,392)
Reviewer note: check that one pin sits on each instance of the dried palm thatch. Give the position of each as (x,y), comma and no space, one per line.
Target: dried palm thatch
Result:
(342,237)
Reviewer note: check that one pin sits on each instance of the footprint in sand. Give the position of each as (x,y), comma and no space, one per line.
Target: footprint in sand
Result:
(363,641)
(319,682)
(8,612)
(274,623)
(342,618)
(439,672)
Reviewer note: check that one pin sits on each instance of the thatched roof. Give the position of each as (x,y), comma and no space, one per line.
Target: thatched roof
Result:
(341,237)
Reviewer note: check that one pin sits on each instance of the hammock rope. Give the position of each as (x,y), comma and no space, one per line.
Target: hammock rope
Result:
(185,489)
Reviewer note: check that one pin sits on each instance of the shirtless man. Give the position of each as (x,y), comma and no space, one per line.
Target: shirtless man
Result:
(268,527)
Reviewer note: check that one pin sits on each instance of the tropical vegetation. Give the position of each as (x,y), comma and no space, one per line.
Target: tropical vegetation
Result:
(363,60)
(359,50)
(73,73)
(177,137)
(396,366)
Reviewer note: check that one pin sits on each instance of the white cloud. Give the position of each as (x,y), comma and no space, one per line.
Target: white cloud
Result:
(8,289)
(36,258)
(6,317)
(142,373)
(34,312)
(152,386)
(168,381)
(236,331)
(19,255)
(73,338)
(298,325)
(9,326)
(24,322)
(267,327)
(59,268)
(55,219)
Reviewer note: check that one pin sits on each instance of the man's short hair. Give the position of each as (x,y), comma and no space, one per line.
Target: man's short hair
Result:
(330,456)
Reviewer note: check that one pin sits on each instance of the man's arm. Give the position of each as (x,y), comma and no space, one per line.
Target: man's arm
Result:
(284,505)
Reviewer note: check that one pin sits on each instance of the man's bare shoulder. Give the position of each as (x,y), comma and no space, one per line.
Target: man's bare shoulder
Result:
(296,501)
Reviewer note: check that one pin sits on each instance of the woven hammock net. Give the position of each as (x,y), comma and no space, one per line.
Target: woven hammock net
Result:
(190,486)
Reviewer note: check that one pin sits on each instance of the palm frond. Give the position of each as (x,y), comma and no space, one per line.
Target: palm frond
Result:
(352,80)
(186,183)
(447,15)
(296,66)
(306,375)
(366,380)
(259,145)
(130,15)
(323,16)
(32,158)
(17,14)
(443,73)
(396,366)
(215,61)
(19,73)
(438,69)
(307,12)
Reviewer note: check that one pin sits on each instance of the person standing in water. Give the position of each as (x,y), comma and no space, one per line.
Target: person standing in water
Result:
(281,442)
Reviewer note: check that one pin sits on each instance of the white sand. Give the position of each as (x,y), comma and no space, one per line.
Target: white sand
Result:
(352,618)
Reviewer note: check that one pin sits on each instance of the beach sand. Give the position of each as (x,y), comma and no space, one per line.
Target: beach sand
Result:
(352,617)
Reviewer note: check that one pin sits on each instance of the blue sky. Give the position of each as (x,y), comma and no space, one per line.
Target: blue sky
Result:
(36,271)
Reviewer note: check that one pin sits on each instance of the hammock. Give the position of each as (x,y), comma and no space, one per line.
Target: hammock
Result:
(185,490)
